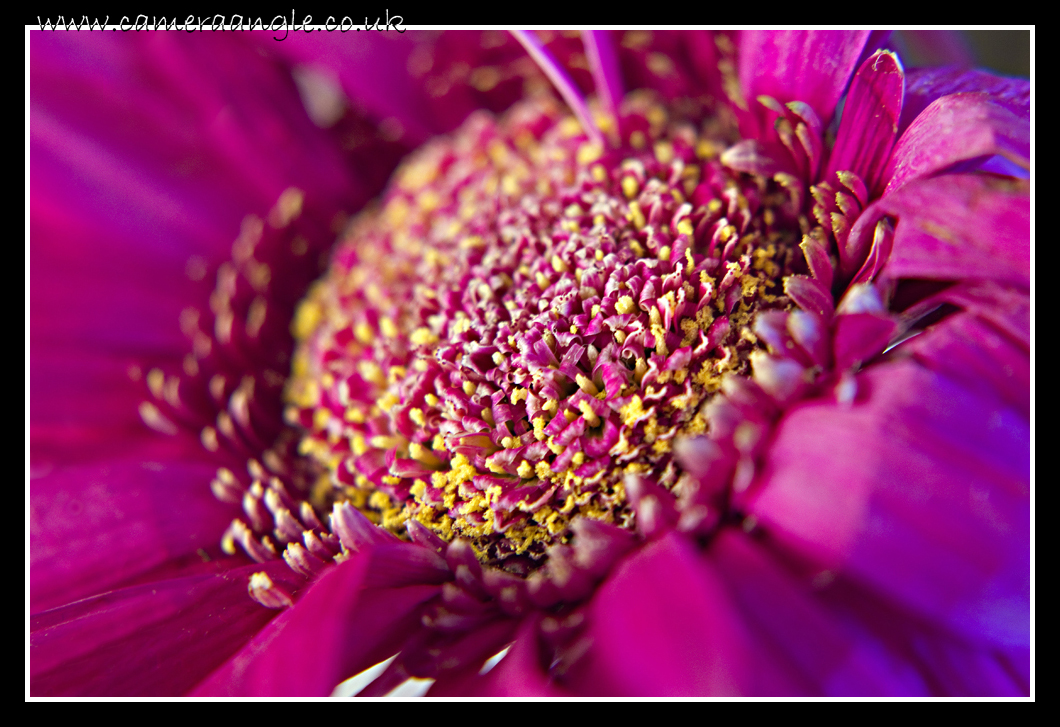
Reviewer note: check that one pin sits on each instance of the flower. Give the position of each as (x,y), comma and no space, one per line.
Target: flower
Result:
(855,522)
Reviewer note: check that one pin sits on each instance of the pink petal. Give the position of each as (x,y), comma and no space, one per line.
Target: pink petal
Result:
(924,85)
(859,337)
(758,157)
(1009,309)
(519,674)
(156,639)
(953,129)
(136,291)
(93,527)
(373,70)
(603,60)
(83,406)
(969,350)
(951,228)
(869,124)
(560,80)
(782,611)
(918,490)
(341,626)
(810,295)
(813,66)
(169,139)
(944,664)
(662,625)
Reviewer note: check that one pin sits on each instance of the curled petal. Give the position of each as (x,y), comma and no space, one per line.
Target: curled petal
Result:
(953,227)
(953,129)
(925,85)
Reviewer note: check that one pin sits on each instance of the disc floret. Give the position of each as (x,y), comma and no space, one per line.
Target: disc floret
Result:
(530,318)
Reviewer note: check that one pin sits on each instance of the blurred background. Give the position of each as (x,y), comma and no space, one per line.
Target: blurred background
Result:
(1006,52)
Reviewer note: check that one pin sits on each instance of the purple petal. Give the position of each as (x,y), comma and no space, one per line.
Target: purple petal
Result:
(947,665)
(339,628)
(808,637)
(951,228)
(600,49)
(93,527)
(869,124)
(1006,308)
(559,78)
(923,86)
(813,66)
(972,352)
(953,129)
(156,639)
(919,490)
(662,625)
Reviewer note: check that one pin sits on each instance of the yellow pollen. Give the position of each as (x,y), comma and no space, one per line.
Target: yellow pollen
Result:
(423,337)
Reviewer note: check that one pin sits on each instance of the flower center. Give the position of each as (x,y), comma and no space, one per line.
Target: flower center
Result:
(529,319)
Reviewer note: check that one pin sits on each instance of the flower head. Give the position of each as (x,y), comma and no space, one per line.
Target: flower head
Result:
(690,390)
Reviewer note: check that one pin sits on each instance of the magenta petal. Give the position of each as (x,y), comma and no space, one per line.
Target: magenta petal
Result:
(561,81)
(341,626)
(919,490)
(810,295)
(519,674)
(758,157)
(662,625)
(93,527)
(869,124)
(952,227)
(373,70)
(946,664)
(859,337)
(924,85)
(782,612)
(953,129)
(83,406)
(972,352)
(137,290)
(156,639)
(1009,309)
(813,66)
(170,139)
(603,60)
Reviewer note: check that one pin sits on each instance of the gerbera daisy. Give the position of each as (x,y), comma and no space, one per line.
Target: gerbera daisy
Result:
(698,388)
